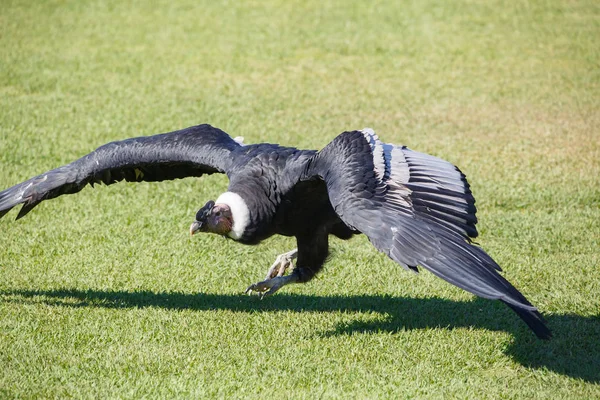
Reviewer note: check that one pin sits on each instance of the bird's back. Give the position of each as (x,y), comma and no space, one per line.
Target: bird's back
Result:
(264,175)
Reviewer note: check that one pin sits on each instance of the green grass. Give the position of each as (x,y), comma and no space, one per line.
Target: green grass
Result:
(103,294)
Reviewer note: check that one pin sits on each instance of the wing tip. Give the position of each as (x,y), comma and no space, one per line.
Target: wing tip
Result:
(534,320)
(27,207)
(10,198)
(4,212)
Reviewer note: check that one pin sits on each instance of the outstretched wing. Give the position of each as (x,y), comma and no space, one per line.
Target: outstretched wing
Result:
(417,209)
(194,151)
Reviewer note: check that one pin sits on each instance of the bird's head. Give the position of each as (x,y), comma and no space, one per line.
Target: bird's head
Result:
(213,218)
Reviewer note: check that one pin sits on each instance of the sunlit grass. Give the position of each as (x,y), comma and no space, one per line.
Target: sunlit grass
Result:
(103,294)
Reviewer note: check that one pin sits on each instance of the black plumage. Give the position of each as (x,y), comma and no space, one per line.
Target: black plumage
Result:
(416,208)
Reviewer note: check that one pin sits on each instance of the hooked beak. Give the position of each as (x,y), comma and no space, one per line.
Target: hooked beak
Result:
(195,227)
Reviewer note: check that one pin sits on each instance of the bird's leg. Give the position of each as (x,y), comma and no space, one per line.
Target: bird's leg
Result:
(311,254)
(282,262)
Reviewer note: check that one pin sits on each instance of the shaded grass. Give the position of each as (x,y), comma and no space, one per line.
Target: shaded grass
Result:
(103,295)
(396,314)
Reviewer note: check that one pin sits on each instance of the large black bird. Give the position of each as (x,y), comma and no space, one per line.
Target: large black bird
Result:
(416,208)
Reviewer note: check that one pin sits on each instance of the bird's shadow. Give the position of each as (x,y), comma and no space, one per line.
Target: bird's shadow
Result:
(573,351)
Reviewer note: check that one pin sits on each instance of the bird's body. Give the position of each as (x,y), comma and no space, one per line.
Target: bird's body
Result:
(415,208)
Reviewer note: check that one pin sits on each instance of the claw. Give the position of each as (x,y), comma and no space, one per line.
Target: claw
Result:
(252,288)
(270,286)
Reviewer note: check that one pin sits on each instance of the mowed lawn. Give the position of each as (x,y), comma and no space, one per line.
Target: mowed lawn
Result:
(104,295)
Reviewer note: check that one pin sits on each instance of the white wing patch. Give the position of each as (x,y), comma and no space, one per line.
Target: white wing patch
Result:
(239,212)
(418,183)
(379,160)
(390,165)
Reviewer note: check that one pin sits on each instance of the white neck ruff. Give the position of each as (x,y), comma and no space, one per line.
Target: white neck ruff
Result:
(239,212)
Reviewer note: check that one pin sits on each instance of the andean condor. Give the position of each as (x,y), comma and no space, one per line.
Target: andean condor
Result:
(416,208)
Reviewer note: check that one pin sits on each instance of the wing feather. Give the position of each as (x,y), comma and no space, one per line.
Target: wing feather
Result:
(417,209)
(194,151)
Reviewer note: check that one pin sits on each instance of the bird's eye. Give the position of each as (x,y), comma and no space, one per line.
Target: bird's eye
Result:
(218,213)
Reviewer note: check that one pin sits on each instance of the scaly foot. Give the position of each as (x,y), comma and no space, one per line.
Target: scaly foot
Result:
(270,286)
